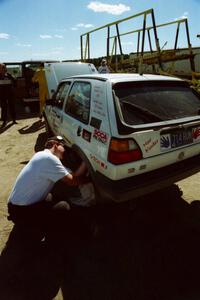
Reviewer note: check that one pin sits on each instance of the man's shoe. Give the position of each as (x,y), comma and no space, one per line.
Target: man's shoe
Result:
(14,122)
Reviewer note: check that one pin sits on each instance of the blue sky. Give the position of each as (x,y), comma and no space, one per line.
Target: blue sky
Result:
(51,29)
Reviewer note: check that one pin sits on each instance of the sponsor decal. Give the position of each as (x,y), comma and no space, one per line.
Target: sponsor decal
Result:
(165,142)
(98,112)
(130,171)
(98,90)
(196,133)
(96,123)
(100,136)
(98,108)
(150,144)
(86,135)
(98,161)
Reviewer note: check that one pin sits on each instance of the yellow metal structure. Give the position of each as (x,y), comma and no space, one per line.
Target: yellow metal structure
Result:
(140,60)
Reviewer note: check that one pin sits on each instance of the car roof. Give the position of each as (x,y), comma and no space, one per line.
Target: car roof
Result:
(121,77)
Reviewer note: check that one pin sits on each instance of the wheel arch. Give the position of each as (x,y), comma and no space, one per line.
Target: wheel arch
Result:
(82,155)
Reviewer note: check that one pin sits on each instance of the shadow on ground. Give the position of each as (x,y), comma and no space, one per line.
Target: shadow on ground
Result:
(22,113)
(6,127)
(37,125)
(148,251)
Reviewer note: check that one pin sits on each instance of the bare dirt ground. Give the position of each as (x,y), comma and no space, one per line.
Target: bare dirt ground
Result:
(18,144)
(151,252)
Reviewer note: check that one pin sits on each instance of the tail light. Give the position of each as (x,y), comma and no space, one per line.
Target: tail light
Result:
(122,151)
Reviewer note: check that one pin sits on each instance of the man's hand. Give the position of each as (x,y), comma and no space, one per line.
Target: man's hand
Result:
(71,180)
(78,177)
(74,180)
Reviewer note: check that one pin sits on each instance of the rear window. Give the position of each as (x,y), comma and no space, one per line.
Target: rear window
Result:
(147,102)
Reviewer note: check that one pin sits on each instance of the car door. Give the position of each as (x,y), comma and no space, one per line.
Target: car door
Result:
(75,127)
(57,110)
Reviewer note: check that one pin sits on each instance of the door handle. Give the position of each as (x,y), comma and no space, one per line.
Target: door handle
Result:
(79,130)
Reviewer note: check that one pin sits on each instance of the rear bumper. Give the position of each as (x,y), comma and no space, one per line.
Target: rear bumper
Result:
(136,186)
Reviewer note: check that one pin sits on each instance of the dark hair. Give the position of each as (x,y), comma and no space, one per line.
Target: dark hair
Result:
(50,144)
(55,140)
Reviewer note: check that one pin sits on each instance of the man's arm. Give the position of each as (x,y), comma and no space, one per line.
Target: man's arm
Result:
(70,179)
(78,177)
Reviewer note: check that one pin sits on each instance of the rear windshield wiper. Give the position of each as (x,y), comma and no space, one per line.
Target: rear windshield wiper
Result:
(142,110)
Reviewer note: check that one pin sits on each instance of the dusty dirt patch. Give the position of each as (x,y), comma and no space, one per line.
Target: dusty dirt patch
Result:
(18,144)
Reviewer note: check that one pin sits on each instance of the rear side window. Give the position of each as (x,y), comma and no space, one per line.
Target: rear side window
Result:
(78,101)
(147,102)
(62,91)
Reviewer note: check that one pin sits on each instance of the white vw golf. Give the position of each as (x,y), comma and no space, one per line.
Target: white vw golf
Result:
(136,133)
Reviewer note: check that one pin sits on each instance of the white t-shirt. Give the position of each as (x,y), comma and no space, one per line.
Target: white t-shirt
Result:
(37,178)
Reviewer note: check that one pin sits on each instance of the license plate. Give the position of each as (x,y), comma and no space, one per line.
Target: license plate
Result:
(176,139)
(181,138)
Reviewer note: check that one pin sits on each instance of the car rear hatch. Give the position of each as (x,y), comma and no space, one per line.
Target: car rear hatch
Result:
(160,123)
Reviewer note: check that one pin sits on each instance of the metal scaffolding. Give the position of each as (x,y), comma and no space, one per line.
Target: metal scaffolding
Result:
(154,57)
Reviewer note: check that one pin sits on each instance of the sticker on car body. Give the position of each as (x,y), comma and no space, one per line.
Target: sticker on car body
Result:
(196,134)
(150,144)
(86,135)
(98,108)
(96,123)
(100,136)
(98,161)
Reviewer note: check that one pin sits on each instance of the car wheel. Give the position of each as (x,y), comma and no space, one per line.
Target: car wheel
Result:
(72,160)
